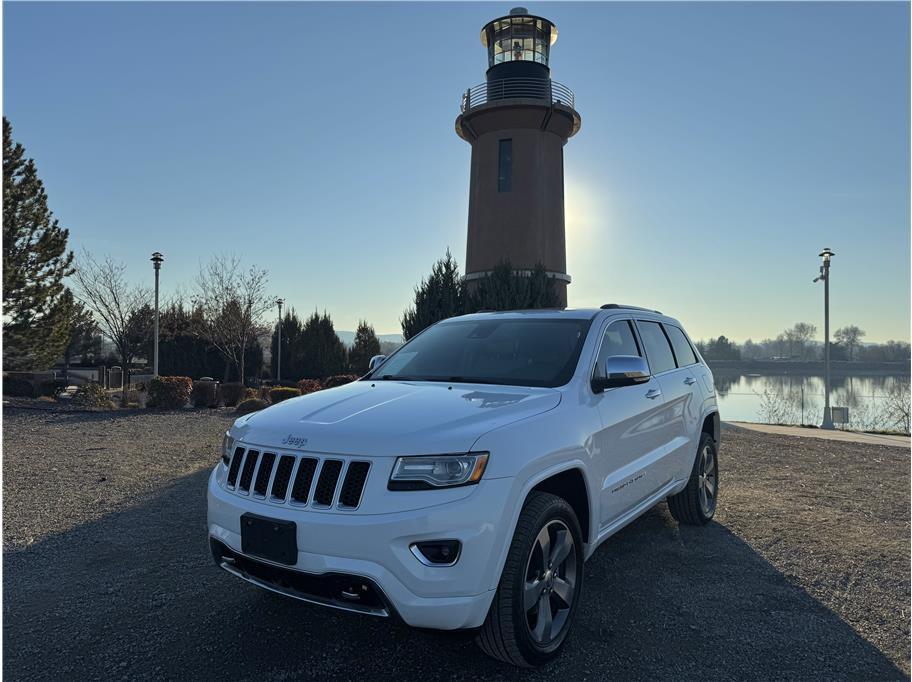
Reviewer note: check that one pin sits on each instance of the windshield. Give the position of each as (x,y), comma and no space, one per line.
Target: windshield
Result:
(514,352)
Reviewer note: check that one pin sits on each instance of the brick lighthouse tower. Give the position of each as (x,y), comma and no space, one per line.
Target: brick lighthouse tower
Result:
(518,122)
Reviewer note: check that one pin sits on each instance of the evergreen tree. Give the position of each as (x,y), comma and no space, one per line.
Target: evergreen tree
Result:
(365,346)
(323,353)
(35,262)
(505,290)
(85,338)
(438,297)
(182,351)
(292,349)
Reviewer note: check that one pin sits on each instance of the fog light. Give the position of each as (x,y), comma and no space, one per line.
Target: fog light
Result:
(437,552)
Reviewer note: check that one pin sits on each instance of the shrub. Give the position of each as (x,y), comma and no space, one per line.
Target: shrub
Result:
(231,394)
(251,405)
(338,380)
(204,394)
(309,386)
(250,393)
(17,387)
(170,393)
(93,395)
(132,398)
(280,393)
(49,388)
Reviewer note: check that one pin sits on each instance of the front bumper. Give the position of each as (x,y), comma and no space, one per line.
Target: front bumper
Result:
(375,547)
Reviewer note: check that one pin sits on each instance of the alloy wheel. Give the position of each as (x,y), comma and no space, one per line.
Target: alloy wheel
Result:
(708,480)
(551,577)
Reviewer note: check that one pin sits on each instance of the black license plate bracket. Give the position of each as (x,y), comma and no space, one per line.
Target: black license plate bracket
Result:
(270,539)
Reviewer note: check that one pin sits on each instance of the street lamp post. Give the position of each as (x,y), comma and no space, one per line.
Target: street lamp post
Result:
(157,260)
(826,254)
(279,302)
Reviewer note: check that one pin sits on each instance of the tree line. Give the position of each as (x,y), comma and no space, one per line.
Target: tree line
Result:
(798,343)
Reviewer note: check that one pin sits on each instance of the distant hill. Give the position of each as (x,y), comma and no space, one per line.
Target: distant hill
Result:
(348,338)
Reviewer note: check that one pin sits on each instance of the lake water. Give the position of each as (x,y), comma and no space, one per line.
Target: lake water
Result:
(879,403)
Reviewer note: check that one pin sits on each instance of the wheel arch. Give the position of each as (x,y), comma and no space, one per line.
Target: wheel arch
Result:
(712,425)
(542,478)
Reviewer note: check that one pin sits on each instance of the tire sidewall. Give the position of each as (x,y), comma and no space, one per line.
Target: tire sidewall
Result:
(705,440)
(531,650)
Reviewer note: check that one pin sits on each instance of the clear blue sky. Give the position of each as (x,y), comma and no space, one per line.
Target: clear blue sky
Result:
(723,144)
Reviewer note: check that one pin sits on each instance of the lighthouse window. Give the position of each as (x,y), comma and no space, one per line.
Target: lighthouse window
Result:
(505,166)
(518,39)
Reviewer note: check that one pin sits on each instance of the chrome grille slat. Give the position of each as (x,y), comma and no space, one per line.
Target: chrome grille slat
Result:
(251,460)
(298,479)
(264,474)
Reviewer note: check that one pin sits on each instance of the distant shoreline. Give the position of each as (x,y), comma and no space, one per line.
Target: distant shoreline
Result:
(840,368)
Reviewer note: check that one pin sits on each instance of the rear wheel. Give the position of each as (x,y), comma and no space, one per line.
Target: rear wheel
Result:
(539,588)
(696,504)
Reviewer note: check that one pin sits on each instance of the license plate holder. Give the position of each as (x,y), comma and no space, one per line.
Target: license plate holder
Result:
(270,539)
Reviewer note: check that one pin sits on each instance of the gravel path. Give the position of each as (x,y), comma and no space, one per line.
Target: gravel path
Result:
(804,575)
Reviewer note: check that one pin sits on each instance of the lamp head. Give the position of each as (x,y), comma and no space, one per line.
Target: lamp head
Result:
(157,259)
(826,253)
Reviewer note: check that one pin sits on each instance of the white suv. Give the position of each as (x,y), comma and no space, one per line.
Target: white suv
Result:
(466,478)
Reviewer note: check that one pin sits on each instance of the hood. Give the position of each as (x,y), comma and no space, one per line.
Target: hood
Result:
(391,418)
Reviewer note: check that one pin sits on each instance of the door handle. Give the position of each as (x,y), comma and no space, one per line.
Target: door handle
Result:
(653,393)
(690,381)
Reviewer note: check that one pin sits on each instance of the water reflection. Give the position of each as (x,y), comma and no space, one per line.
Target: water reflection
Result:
(875,402)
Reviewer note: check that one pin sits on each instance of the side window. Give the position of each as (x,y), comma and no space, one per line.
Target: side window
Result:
(683,352)
(618,340)
(658,352)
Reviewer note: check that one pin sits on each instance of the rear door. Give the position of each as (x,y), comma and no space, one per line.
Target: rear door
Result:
(632,436)
(662,365)
(680,386)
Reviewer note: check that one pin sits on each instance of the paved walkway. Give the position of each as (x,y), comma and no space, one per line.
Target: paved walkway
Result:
(848,436)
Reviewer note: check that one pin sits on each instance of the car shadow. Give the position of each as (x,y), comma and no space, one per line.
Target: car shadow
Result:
(135,595)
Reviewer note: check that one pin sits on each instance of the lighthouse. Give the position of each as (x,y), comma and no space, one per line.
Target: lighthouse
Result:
(517,123)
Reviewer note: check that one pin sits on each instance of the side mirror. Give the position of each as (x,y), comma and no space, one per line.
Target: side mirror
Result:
(375,362)
(621,370)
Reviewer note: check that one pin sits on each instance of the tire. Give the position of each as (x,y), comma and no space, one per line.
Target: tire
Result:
(527,638)
(696,504)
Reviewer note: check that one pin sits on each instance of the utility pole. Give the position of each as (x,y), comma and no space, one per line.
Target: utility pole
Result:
(279,302)
(157,260)
(826,254)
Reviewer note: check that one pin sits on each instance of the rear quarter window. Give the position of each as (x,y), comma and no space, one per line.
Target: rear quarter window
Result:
(683,351)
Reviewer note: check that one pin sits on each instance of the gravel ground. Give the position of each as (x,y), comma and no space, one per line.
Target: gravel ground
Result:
(107,574)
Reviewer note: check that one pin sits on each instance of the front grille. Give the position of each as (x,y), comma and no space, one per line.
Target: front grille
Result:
(249,465)
(312,481)
(353,484)
(282,477)
(326,484)
(262,479)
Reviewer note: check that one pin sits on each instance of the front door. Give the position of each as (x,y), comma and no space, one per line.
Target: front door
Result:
(633,435)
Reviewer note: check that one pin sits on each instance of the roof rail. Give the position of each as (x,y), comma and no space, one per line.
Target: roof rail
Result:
(612,306)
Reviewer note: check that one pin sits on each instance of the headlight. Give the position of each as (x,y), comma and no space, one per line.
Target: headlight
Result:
(227,448)
(437,471)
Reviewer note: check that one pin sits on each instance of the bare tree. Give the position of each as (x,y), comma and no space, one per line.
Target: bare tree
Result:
(798,337)
(119,307)
(850,338)
(232,302)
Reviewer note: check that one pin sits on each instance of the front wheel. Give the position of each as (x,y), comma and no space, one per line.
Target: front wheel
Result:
(540,586)
(696,504)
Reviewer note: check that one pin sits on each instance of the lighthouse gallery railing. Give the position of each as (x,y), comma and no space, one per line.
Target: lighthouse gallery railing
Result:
(517,88)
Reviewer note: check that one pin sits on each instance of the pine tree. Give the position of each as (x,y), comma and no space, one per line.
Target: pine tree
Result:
(503,289)
(438,297)
(35,262)
(85,338)
(292,357)
(366,346)
(323,353)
